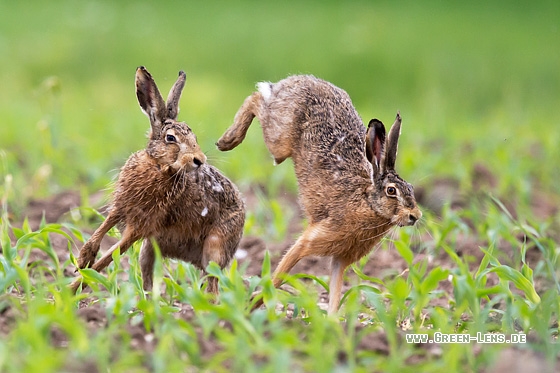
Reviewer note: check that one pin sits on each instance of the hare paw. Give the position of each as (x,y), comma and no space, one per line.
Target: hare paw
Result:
(87,256)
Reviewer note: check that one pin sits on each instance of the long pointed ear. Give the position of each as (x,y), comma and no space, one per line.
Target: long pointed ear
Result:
(392,144)
(375,143)
(175,95)
(150,100)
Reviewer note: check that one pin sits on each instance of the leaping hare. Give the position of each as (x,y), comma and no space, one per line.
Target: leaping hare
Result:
(348,187)
(169,193)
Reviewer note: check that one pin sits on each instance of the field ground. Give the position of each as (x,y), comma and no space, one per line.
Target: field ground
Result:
(385,263)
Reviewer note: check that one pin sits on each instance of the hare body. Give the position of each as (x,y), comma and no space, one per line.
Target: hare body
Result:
(348,188)
(168,193)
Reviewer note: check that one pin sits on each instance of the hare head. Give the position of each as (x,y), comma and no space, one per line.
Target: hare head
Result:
(172,144)
(392,197)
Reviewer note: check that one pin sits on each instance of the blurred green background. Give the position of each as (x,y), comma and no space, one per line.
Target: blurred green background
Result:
(476,83)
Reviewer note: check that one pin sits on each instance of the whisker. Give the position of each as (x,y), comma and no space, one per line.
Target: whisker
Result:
(393,234)
(381,234)
(378,244)
(435,222)
(376,226)
(424,178)
(219,160)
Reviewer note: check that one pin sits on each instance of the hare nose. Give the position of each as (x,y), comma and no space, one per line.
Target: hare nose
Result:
(413,219)
(197,162)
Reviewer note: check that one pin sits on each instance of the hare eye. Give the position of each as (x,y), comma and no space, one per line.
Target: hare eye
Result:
(391,191)
(170,138)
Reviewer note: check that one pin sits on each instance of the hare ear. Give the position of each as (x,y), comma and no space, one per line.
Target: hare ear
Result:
(150,100)
(175,95)
(392,144)
(375,143)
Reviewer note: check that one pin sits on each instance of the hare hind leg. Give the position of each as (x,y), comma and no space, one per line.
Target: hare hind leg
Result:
(213,251)
(290,259)
(311,242)
(235,134)
(147,259)
(276,136)
(302,249)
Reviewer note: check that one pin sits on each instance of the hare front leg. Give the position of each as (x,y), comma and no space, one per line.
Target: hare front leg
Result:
(339,265)
(91,247)
(127,239)
(245,115)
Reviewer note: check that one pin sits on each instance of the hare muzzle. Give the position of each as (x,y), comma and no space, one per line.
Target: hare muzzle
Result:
(187,160)
(408,217)
(413,216)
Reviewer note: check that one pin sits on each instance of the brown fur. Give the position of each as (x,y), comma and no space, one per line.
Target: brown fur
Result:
(345,186)
(168,193)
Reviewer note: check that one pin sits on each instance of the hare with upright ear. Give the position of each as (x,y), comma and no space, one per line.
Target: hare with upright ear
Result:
(169,194)
(348,187)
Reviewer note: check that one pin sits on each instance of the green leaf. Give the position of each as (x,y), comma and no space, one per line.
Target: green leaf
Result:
(521,282)
(432,280)
(365,277)
(25,226)
(92,276)
(358,288)
(488,254)
(502,207)
(8,251)
(23,278)
(266,264)
(404,251)
(76,232)
(18,233)
(400,289)
(485,261)
(214,269)
(482,292)
(311,277)
(527,272)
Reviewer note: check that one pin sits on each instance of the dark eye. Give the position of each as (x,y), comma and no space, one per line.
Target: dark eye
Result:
(170,138)
(391,191)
